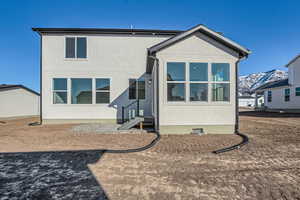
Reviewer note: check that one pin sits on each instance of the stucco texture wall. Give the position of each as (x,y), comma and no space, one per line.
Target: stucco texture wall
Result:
(108,56)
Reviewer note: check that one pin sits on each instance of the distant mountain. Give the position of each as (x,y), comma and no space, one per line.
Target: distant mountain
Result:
(249,82)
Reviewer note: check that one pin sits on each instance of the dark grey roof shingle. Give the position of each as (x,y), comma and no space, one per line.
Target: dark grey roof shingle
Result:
(274,84)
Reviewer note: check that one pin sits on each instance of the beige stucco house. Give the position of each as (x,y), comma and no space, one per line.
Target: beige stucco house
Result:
(283,95)
(177,80)
(18,101)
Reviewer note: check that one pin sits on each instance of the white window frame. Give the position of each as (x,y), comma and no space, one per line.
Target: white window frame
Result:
(95,89)
(219,82)
(187,82)
(75,58)
(53,90)
(186,91)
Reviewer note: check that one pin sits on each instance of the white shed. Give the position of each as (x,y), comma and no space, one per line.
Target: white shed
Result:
(17,101)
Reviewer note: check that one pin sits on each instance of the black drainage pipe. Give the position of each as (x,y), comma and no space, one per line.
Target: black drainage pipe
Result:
(237,146)
(148,146)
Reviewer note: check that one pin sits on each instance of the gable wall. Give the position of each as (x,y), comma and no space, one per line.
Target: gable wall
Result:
(197,48)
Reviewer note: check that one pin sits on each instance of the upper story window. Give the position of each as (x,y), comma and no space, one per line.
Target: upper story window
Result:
(287,94)
(297,91)
(137,89)
(220,81)
(269,96)
(60,91)
(76,47)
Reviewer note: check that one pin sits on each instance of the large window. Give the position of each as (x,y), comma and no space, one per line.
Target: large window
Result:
(220,81)
(269,98)
(198,81)
(60,91)
(81,92)
(76,47)
(297,91)
(176,81)
(287,94)
(192,82)
(102,90)
(137,88)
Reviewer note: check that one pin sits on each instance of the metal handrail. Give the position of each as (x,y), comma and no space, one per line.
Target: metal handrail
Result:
(127,106)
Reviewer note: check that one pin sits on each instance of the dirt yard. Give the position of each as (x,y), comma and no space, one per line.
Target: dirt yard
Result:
(52,162)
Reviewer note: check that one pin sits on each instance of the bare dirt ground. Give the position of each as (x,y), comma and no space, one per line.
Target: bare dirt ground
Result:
(61,164)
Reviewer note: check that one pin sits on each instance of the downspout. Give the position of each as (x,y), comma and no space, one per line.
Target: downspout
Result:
(156,63)
(236,127)
(41,80)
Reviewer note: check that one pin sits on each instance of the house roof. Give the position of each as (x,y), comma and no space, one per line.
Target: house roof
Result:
(293,60)
(6,86)
(203,29)
(107,31)
(274,84)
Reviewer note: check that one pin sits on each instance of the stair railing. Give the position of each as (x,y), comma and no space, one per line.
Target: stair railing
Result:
(129,109)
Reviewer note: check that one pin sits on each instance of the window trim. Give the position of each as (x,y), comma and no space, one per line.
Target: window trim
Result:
(107,91)
(92,90)
(221,82)
(53,90)
(75,58)
(186,77)
(187,102)
(189,82)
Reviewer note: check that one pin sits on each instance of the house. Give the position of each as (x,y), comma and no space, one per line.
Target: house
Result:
(18,101)
(177,80)
(283,95)
(246,101)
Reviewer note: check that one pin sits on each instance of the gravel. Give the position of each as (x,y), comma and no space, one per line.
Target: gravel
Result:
(102,128)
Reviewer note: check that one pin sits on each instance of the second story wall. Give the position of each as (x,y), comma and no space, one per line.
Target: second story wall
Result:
(118,58)
(104,53)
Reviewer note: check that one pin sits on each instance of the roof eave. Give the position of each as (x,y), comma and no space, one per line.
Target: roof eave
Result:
(244,52)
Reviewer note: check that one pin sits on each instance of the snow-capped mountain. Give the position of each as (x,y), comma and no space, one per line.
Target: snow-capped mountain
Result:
(249,82)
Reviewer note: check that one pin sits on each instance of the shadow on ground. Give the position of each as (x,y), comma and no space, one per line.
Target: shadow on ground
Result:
(268,114)
(50,175)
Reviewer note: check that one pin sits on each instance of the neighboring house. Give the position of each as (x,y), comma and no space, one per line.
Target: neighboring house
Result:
(179,80)
(284,95)
(17,101)
(246,101)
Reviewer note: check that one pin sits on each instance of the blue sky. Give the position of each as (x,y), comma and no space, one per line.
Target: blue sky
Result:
(271,29)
